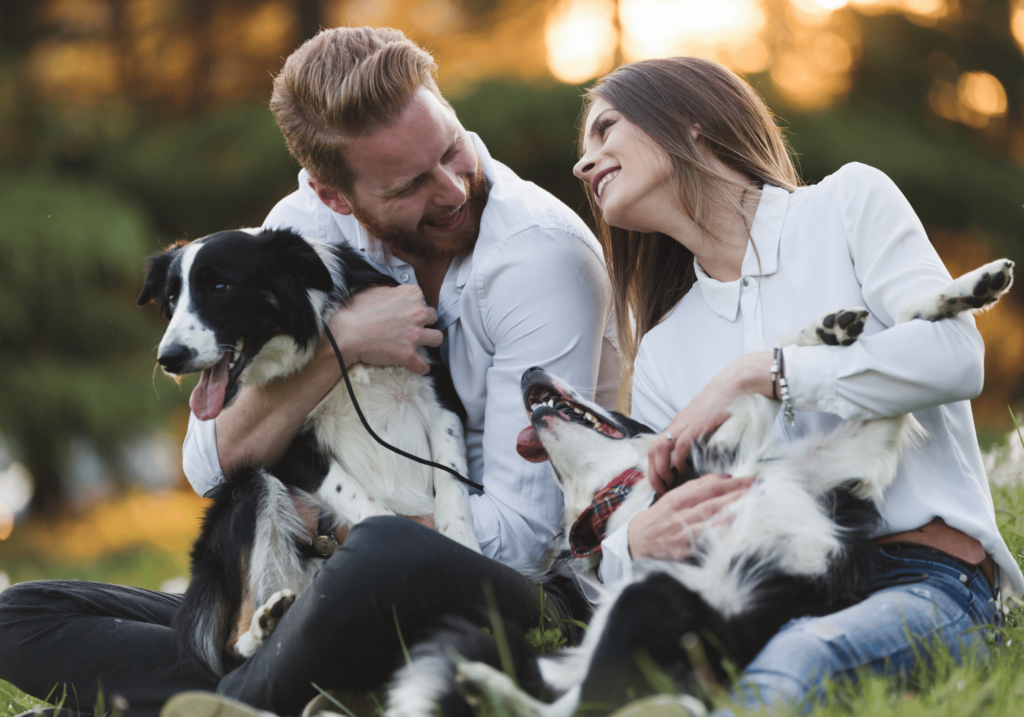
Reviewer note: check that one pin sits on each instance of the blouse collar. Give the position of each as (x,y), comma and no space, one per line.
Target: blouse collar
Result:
(724,297)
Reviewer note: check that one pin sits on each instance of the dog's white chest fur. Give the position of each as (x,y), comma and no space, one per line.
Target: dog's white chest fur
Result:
(399,405)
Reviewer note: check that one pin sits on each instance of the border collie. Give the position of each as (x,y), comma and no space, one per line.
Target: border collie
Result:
(797,544)
(249,306)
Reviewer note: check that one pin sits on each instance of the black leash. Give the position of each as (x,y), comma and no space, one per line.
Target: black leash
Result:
(399,451)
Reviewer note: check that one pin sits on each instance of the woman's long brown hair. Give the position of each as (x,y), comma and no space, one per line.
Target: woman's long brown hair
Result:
(666,98)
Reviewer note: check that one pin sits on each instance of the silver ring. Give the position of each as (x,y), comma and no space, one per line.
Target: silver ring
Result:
(668,435)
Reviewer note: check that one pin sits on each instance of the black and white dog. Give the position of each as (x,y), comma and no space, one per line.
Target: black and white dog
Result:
(250,306)
(798,543)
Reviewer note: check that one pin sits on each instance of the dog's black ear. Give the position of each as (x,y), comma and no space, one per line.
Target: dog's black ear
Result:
(157,268)
(293,269)
(293,255)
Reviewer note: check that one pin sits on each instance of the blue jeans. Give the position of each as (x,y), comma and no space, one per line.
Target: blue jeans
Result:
(939,599)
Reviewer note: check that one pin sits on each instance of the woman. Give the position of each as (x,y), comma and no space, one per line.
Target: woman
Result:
(715,253)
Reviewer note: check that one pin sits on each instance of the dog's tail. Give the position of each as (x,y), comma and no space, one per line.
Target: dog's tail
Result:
(230,564)
(427,686)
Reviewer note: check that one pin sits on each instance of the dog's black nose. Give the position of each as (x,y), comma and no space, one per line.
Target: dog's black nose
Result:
(175,357)
(528,376)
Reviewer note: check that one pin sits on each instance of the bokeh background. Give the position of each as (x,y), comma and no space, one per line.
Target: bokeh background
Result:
(126,125)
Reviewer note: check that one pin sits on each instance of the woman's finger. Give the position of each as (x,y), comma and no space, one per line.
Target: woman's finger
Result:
(657,464)
(702,511)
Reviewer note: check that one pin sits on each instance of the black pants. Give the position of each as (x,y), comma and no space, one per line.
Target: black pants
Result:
(339,634)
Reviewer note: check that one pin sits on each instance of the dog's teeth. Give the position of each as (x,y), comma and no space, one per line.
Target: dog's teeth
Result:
(590,417)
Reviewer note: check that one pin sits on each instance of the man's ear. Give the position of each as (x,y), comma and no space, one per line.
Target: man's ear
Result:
(332,198)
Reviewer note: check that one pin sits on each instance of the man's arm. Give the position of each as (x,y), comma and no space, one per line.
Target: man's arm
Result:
(545,301)
(382,326)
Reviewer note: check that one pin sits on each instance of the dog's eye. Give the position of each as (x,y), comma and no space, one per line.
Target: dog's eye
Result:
(171,301)
(221,288)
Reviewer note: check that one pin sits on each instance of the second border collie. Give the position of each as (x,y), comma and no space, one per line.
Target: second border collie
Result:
(797,544)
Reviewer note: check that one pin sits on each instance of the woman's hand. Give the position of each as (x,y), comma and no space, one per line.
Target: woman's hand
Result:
(665,530)
(750,373)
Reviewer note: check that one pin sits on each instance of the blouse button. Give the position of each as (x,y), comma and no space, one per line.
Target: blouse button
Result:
(404,277)
(800,403)
(821,405)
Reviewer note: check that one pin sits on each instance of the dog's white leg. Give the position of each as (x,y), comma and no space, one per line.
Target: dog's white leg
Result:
(866,452)
(264,621)
(482,684)
(974,290)
(347,497)
(452,516)
(836,328)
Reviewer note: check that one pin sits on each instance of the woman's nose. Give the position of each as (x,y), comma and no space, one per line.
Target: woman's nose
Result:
(584,167)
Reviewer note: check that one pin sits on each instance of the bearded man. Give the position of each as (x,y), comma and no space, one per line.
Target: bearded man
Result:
(493,270)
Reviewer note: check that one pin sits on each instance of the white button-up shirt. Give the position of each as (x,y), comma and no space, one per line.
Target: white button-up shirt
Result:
(852,240)
(533,292)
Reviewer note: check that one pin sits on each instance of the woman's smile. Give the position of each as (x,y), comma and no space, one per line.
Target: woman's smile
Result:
(603,178)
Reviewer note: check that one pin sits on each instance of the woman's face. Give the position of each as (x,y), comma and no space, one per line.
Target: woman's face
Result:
(628,173)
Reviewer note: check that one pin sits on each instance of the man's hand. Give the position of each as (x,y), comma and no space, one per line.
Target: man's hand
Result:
(385,326)
(665,530)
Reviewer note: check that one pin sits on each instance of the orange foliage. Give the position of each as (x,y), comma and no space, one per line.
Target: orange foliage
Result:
(167,520)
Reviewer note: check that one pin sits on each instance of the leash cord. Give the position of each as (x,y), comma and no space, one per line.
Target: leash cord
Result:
(399,451)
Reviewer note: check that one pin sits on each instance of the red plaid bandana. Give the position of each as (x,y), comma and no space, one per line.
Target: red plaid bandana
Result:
(587,532)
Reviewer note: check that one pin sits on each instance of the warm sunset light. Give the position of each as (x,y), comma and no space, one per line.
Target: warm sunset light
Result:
(1017,23)
(6,522)
(580,38)
(980,95)
(663,28)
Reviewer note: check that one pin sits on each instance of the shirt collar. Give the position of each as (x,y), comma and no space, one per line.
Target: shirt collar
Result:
(760,259)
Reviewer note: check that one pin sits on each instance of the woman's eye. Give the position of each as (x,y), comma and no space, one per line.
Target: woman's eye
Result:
(221,288)
(604,127)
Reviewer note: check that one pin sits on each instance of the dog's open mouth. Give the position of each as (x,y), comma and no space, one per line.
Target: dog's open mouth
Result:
(218,384)
(544,401)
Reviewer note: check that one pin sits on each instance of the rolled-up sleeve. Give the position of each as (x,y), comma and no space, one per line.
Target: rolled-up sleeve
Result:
(899,369)
(544,301)
(199,458)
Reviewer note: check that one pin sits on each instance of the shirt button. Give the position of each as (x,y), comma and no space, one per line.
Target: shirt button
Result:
(404,277)
(821,405)
(746,281)
(800,403)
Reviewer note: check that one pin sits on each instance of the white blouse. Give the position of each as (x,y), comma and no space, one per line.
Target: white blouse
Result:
(852,240)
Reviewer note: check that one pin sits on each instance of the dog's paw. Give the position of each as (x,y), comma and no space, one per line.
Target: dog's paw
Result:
(974,290)
(480,685)
(266,618)
(841,328)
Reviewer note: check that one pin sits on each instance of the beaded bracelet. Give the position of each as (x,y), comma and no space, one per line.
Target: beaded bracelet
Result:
(788,412)
(775,373)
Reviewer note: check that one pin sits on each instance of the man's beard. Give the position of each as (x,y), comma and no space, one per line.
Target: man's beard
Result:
(417,244)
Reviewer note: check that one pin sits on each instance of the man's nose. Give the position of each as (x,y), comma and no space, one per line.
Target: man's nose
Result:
(452,191)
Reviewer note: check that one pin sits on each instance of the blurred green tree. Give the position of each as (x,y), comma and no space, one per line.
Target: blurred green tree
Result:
(71,258)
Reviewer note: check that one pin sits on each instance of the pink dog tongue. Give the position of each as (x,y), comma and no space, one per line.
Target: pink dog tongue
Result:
(208,396)
(528,445)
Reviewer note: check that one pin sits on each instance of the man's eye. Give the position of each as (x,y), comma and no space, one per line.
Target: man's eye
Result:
(221,288)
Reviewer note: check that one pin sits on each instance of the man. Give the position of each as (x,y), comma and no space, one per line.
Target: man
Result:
(512,278)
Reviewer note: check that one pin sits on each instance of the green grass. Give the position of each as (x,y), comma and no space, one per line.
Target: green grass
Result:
(991,688)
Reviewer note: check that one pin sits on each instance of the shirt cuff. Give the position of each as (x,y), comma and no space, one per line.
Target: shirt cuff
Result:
(811,376)
(616,564)
(199,457)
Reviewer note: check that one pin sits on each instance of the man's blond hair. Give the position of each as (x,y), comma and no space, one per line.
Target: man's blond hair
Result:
(341,83)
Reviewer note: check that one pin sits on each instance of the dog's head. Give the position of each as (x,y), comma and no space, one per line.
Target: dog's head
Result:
(226,296)
(587,445)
